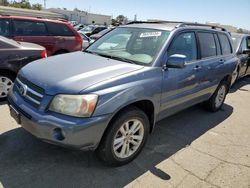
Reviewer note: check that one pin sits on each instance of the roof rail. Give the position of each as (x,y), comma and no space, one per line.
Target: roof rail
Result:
(183,24)
(180,24)
(153,22)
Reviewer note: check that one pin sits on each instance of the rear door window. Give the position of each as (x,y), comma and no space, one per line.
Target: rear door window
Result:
(225,44)
(4,27)
(57,29)
(184,44)
(29,28)
(207,45)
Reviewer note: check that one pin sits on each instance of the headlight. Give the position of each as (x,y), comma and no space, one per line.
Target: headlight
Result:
(74,105)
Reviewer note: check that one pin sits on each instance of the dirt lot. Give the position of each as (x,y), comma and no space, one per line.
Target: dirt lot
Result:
(194,148)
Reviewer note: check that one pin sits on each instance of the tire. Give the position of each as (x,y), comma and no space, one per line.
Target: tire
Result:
(117,154)
(6,81)
(236,73)
(215,103)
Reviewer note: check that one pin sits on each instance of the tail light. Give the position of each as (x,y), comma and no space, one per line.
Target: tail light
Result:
(43,54)
(79,40)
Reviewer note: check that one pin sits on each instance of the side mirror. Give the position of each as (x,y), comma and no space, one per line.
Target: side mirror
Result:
(176,61)
(246,51)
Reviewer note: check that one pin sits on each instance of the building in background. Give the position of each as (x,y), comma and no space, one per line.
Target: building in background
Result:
(30,13)
(83,17)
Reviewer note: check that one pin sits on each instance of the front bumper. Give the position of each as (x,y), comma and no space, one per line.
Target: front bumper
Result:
(78,133)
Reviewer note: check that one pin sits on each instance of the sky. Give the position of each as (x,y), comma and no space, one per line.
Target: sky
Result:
(228,12)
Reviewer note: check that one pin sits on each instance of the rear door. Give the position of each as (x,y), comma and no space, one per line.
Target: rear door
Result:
(211,59)
(63,37)
(32,31)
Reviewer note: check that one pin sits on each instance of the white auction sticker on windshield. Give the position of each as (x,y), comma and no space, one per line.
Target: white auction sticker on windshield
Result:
(150,34)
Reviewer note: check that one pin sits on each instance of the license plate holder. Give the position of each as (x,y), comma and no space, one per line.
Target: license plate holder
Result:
(15,114)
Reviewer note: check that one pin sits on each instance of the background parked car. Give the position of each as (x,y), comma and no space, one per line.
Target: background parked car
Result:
(91,30)
(13,56)
(241,43)
(86,40)
(98,35)
(79,27)
(56,36)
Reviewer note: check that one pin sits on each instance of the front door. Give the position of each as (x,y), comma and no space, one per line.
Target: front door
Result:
(180,85)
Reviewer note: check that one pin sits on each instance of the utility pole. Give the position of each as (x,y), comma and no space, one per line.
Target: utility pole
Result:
(44,1)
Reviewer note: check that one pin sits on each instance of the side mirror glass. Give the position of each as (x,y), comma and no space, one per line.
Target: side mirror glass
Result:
(176,61)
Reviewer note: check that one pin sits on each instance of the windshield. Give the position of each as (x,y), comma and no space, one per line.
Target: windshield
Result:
(133,45)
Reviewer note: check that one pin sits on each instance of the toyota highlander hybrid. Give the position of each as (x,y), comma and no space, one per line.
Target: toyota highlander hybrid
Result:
(109,97)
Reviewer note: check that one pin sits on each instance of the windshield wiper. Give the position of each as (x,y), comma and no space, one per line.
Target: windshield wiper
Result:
(111,57)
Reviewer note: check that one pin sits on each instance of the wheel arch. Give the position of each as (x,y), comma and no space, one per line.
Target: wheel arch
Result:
(146,105)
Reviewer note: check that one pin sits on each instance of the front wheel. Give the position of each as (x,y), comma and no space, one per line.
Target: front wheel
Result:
(125,138)
(217,100)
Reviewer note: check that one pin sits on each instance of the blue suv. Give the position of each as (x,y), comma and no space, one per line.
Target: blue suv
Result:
(109,97)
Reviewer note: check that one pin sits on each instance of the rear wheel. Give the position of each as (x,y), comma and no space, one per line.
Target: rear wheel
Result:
(6,82)
(217,100)
(125,138)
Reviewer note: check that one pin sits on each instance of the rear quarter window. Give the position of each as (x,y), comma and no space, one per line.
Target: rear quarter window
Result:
(225,44)
(57,29)
(207,45)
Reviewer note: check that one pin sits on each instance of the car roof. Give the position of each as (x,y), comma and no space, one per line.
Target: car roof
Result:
(171,25)
(34,19)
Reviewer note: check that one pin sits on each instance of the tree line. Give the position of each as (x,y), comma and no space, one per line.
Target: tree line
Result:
(21,4)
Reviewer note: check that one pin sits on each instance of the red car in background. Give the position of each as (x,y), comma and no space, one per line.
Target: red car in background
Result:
(56,36)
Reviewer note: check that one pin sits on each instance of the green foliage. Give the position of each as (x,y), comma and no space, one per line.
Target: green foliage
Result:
(4,2)
(21,4)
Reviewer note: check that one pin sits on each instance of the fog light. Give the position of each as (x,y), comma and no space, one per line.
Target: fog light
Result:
(58,134)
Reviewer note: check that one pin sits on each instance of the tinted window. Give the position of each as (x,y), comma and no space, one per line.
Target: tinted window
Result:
(225,44)
(217,44)
(207,45)
(57,29)
(29,28)
(4,27)
(248,43)
(184,44)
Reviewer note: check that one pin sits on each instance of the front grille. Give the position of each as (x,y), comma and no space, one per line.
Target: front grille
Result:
(30,92)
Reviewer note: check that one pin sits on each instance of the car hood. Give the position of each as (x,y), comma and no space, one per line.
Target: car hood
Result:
(74,72)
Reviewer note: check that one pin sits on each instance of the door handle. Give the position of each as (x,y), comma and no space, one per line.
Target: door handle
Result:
(197,68)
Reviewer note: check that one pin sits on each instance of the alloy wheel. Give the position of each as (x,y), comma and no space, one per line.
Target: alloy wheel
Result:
(221,94)
(5,85)
(128,138)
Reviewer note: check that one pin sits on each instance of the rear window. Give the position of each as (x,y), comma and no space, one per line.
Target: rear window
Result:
(225,44)
(29,28)
(4,27)
(57,29)
(207,45)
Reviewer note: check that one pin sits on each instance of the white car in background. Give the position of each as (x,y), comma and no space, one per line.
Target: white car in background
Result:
(86,40)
